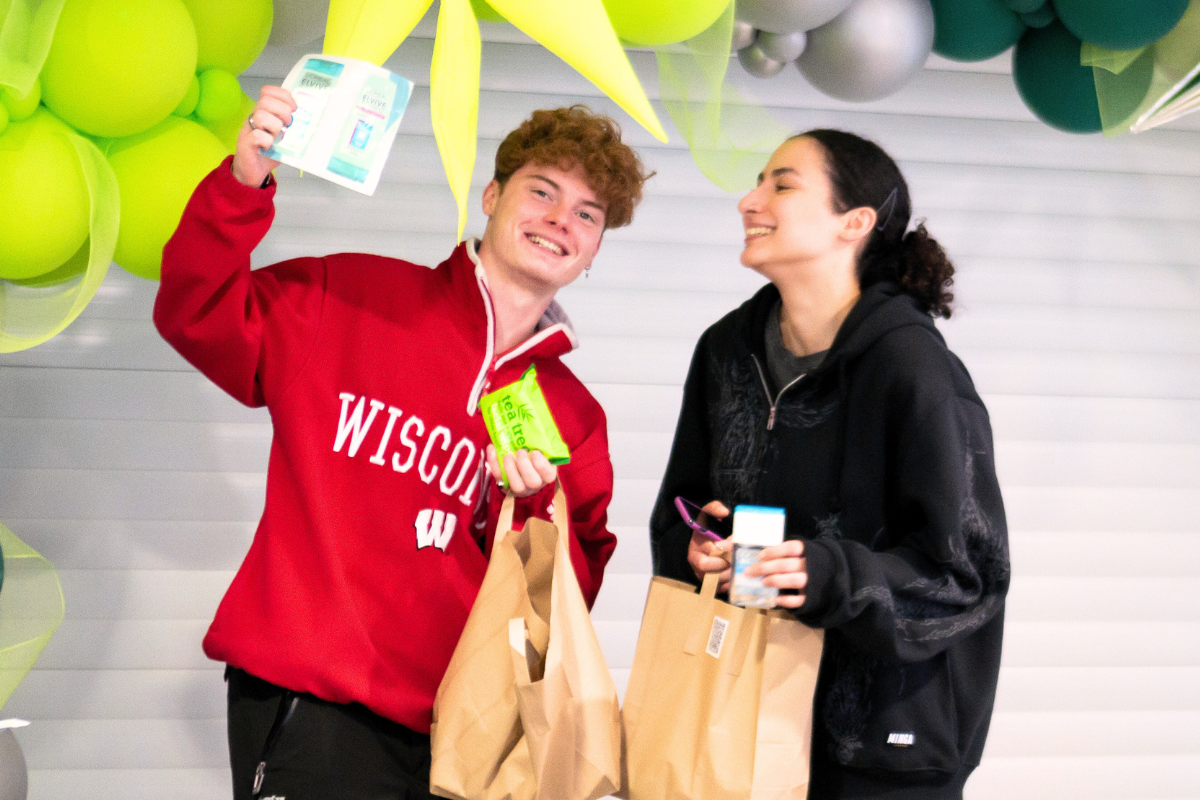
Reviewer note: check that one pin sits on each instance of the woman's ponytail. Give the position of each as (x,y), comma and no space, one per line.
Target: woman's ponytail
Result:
(862,174)
(925,272)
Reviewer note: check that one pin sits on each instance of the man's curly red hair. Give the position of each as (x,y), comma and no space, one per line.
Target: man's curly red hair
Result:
(567,137)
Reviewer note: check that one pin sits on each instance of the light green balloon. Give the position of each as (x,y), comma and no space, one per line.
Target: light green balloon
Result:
(3,118)
(220,94)
(44,196)
(227,129)
(157,172)
(230,33)
(188,104)
(655,22)
(117,67)
(21,106)
(75,266)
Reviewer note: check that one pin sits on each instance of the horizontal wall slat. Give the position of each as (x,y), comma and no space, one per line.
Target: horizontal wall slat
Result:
(1046,689)
(127,644)
(186,594)
(65,694)
(126,744)
(128,544)
(1141,777)
(130,784)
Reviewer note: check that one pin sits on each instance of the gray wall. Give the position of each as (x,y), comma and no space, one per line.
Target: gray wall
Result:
(1079,318)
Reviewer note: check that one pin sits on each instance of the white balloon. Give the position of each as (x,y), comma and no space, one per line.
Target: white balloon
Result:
(870,50)
(757,64)
(743,35)
(781,46)
(298,21)
(789,16)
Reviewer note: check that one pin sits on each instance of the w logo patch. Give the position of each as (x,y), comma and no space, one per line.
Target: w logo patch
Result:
(434,529)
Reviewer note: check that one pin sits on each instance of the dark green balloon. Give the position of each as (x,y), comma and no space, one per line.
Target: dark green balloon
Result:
(974,30)
(1040,18)
(1120,24)
(1025,6)
(1052,82)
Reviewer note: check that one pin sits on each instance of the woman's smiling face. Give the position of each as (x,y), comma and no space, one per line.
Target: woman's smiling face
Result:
(789,218)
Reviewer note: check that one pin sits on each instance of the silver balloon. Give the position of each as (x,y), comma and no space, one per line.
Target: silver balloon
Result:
(298,21)
(14,780)
(789,16)
(743,35)
(754,61)
(782,46)
(870,50)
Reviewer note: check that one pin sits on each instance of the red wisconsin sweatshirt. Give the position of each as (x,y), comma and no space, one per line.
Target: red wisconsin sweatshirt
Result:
(371,547)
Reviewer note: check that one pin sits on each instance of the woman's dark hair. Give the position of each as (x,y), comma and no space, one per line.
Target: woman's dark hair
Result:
(862,174)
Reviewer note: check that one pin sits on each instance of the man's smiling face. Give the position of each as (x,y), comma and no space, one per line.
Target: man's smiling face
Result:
(544,226)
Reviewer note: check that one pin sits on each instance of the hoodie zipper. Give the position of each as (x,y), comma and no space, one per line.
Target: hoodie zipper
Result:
(767,389)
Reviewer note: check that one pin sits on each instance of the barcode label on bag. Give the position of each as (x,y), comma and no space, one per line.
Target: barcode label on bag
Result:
(716,637)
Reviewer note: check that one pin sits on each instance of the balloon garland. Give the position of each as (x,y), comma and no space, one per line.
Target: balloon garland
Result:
(1081,66)
(112,112)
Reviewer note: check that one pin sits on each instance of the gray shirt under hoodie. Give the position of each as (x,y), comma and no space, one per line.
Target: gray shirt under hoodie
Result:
(781,363)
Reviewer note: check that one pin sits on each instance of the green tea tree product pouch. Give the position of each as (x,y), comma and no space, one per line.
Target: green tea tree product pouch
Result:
(518,418)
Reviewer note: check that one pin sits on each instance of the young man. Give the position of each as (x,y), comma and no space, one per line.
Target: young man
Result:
(374,539)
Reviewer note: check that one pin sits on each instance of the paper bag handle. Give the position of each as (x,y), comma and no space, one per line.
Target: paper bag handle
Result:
(702,619)
(558,515)
(741,620)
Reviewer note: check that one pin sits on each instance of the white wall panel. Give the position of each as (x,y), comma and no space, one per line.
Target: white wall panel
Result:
(1078,291)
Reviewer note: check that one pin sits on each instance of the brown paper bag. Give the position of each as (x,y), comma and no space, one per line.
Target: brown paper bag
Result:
(719,701)
(527,709)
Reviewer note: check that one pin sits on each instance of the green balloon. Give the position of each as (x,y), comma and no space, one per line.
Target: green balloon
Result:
(655,22)
(1026,6)
(1040,18)
(3,118)
(44,196)
(21,106)
(485,12)
(1120,24)
(157,172)
(188,104)
(117,67)
(1052,82)
(974,30)
(75,266)
(230,33)
(220,94)
(227,129)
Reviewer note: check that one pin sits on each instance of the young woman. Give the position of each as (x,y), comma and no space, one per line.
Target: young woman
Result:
(831,394)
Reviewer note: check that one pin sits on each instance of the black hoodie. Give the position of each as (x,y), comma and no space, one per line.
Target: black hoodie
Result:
(882,458)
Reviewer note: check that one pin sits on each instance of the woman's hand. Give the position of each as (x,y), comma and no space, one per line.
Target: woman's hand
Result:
(528,473)
(272,113)
(784,567)
(707,556)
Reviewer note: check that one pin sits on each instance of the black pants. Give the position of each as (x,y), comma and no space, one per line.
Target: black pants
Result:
(322,750)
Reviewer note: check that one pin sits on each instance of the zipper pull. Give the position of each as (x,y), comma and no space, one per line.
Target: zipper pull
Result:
(771,419)
(259,774)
